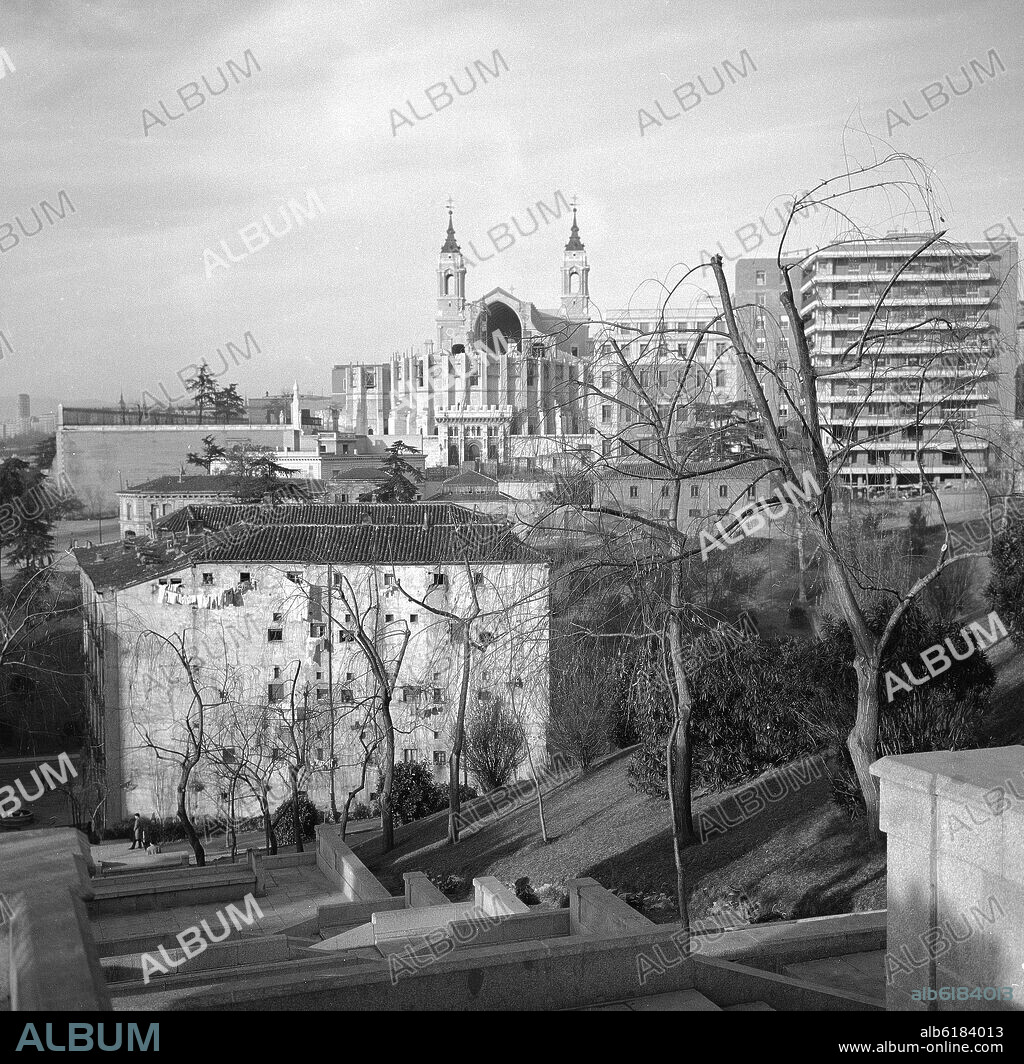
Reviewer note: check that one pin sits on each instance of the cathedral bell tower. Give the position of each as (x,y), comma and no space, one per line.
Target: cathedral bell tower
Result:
(451,291)
(575,275)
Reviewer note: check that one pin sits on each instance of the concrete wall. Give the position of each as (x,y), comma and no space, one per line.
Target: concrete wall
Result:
(97,459)
(596,911)
(955,827)
(341,866)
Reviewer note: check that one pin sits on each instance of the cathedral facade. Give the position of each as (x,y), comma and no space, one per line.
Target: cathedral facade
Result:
(504,381)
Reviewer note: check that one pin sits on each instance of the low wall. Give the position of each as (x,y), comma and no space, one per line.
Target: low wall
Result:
(593,910)
(419,891)
(169,889)
(955,885)
(341,866)
(54,964)
(491,896)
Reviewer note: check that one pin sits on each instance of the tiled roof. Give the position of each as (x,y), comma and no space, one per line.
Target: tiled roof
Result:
(377,544)
(215,484)
(471,479)
(478,539)
(215,517)
(220,483)
(357,472)
(434,473)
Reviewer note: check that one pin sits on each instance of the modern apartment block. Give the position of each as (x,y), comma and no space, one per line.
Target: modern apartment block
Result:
(930,392)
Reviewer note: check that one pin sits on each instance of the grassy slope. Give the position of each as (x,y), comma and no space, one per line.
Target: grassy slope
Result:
(800,854)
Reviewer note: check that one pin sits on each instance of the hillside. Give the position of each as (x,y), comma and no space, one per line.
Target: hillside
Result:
(799,855)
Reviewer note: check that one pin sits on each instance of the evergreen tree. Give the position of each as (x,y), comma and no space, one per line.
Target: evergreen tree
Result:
(228,405)
(211,453)
(397,480)
(203,389)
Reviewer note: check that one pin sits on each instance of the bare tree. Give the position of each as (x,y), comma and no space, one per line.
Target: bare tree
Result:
(185,743)
(384,645)
(876,357)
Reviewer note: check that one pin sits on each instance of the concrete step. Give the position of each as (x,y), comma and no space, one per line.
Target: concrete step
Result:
(749,1006)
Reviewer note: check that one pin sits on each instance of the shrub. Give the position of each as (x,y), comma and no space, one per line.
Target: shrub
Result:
(495,744)
(283,823)
(453,886)
(948,713)
(359,811)
(1005,591)
(745,716)
(466,794)
(415,792)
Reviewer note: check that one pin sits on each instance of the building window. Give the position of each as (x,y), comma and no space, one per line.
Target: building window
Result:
(719,378)
(664,491)
(409,755)
(436,696)
(388,618)
(389,580)
(438,580)
(634,493)
(295,578)
(207,578)
(321,694)
(276,617)
(275,635)
(694,513)
(346,696)
(478,579)
(606,414)
(760,298)
(345,636)
(694,491)
(243,578)
(316,631)
(440,758)
(414,618)
(483,695)
(277,672)
(760,277)
(275,692)
(723,491)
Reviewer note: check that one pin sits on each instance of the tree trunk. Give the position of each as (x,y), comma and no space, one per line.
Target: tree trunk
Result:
(268,828)
(457,741)
(862,742)
(344,814)
(536,783)
(186,823)
(387,824)
(678,752)
(296,820)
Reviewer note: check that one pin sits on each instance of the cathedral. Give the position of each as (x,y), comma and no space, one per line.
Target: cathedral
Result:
(504,381)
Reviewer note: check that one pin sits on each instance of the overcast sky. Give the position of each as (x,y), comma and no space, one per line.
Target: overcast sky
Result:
(117,295)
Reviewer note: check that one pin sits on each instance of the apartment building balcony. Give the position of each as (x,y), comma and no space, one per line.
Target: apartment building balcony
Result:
(968,273)
(855,328)
(868,302)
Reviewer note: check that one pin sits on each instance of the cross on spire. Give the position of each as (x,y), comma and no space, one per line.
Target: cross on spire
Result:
(575,244)
(450,244)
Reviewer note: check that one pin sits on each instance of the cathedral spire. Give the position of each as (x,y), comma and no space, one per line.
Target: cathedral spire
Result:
(450,243)
(575,244)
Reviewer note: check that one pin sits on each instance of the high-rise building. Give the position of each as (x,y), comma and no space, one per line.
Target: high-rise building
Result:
(927,391)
